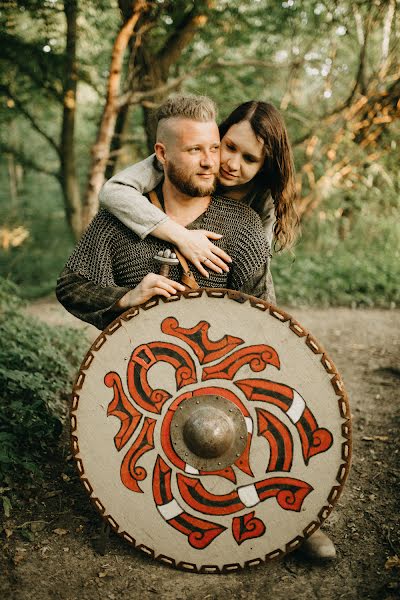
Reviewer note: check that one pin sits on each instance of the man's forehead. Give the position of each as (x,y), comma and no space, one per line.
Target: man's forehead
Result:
(184,131)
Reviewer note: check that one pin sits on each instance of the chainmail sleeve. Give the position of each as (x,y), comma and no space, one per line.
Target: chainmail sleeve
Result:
(251,251)
(86,286)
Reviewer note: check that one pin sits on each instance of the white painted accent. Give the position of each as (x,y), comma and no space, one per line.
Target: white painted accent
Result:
(297,408)
(191,470)
(170,510)
(249,424)
(248,495)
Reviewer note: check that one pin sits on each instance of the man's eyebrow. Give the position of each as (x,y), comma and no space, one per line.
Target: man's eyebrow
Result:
(199,145)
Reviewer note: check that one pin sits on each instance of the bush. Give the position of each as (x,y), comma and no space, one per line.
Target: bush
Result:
(358,267)
(37,366)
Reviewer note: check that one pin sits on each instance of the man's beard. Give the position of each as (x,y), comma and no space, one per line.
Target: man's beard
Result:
(184,183)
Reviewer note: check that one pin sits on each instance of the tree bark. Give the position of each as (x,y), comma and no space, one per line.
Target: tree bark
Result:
(68,175)
(155,70)
(101,148)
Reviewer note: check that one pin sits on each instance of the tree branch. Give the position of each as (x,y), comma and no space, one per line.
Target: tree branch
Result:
(387,29)
(27,161)
(32,120)
(182,36)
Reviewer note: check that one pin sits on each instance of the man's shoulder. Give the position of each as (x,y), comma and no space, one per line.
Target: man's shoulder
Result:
(237,210)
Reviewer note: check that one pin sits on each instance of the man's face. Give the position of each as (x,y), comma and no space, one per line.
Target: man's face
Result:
(190,152)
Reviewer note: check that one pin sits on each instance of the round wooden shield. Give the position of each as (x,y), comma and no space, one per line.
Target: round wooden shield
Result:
(212,431)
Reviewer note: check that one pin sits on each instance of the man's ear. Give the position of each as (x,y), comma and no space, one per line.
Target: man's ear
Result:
(160,151)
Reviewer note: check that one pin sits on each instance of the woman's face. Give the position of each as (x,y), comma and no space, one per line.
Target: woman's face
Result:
(242,155)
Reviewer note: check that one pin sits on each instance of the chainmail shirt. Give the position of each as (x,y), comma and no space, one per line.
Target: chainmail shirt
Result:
(110,259)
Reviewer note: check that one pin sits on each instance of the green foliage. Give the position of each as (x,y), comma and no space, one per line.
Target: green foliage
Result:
(35,265)
(38,362)
(363,269)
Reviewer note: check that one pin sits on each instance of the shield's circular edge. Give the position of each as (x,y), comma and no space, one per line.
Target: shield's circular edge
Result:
(311,343)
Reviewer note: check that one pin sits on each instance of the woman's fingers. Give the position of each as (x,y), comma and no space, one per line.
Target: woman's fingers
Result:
(215,249)
(199,266)
(215,263)
(212,235)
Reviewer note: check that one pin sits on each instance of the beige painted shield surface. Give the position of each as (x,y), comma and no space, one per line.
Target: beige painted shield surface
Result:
(211,431)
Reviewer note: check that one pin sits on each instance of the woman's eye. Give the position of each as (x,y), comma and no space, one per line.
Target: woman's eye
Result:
(249,159)
(230,146)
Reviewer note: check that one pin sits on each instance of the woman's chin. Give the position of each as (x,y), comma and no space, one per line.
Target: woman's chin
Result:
(225,183)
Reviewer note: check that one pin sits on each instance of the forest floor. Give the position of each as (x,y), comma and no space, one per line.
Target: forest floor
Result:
(50,544)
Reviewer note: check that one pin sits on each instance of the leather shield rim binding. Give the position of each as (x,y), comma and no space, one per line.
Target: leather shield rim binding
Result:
(310,342)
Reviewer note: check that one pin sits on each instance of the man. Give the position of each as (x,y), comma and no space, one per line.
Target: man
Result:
(112,269)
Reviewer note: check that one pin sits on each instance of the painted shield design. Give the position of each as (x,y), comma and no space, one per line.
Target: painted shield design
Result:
(212,431)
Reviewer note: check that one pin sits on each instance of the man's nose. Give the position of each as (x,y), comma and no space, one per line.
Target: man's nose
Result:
(209,159)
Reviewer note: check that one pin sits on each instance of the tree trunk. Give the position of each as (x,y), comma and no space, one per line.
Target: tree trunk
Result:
(117,141)
(101,148)
(68,175)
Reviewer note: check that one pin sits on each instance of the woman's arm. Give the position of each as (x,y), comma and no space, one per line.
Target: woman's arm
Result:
(123,196)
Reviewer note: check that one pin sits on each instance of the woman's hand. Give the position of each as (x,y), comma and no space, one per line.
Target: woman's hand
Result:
(150,286)
(197,247)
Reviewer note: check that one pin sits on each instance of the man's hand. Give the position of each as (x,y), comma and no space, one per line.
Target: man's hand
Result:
(196,246)
(151,285)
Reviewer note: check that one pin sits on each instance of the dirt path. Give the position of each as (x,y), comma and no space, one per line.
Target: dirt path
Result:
(60,561)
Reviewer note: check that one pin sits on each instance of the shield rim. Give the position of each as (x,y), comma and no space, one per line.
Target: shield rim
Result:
(310,342)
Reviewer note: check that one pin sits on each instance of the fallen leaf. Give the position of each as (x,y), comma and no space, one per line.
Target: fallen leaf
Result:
(65,477)
(52,494)
(6,506)
(44,550)
(20,554)
(102,574)
(393,562)
(37,526)
(60,531)
(8,532)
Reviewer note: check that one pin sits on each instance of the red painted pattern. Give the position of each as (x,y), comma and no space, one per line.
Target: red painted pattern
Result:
(257,357)
(197,338)
(141,361)
(279,438)
(130,473)
(200,533)
(314,439)
(247,527)
(289,493)
(123,409)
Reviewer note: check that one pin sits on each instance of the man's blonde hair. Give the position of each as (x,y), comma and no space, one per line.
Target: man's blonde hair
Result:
(195,108)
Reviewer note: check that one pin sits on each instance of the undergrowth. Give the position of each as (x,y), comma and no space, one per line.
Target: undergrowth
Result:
(38,363)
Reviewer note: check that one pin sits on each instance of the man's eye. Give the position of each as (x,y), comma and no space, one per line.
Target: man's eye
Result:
(215,148)
(193,150)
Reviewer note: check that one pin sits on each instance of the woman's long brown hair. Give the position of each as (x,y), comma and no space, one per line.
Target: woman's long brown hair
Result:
(277,175)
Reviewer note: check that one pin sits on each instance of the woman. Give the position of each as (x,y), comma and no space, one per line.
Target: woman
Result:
(256,168)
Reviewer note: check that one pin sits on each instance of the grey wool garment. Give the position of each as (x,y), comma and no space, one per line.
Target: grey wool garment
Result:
(110,259)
